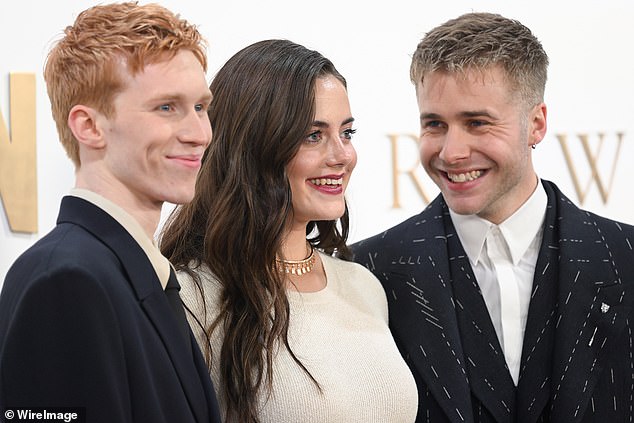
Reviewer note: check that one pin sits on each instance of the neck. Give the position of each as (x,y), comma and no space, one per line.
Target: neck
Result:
(296,257)
(294,245)
(297,267)
(147,214)
(524,192)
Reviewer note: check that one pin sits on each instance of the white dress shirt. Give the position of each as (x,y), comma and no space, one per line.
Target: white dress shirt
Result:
(521,236)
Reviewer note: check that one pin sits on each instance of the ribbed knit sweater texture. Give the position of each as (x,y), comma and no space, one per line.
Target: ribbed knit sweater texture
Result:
(341,335)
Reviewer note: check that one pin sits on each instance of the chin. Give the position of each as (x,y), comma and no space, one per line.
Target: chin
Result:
(461,208)
(180,199)
(336,215)
(326,216)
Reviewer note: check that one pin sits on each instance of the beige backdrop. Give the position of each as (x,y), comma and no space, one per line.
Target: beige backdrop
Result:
(589,93)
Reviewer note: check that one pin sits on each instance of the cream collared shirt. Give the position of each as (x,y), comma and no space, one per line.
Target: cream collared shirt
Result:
(159,262)
(522,232)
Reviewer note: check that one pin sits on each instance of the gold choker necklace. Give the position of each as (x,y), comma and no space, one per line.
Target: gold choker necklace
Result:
(297,267)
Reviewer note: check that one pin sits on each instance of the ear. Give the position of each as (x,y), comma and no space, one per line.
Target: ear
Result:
(85,124)
(537,124)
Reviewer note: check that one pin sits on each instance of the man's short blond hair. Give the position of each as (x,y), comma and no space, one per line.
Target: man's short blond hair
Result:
(480,41)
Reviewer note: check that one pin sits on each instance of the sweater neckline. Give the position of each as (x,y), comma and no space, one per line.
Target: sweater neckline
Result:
(324,293)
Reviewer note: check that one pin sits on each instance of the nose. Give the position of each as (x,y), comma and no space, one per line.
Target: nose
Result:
(196,128)
(454,146)
(340,153)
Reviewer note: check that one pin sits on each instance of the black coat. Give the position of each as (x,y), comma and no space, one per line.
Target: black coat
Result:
(85,323)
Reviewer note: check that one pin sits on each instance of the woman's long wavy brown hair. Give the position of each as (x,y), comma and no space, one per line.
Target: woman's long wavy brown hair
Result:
(263,108)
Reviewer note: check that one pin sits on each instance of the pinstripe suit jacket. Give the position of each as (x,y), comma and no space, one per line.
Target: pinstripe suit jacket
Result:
(577,358)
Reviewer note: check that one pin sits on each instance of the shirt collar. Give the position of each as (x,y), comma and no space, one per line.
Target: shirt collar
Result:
(160,264)
(519,230)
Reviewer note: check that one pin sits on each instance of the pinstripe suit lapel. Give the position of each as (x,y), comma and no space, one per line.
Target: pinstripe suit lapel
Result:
(578,309)
(593,308)
(535,371)
(421,309)
(489,377)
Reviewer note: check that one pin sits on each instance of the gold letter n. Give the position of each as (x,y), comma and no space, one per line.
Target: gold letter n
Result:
(18,176)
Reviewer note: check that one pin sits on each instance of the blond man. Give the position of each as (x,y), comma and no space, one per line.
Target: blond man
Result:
(509,303)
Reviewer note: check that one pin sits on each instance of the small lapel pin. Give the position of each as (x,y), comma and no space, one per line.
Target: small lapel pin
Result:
(604,308)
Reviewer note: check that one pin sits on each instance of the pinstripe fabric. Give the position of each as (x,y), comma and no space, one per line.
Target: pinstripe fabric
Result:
(533,391)
(490,380)
(578,354)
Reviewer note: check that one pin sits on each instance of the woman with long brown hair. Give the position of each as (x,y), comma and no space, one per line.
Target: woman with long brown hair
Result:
(291,332)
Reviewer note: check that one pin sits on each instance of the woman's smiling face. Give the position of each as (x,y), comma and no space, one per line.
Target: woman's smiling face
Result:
(320,171)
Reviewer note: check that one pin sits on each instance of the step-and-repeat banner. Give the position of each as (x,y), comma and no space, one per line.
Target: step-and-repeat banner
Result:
(589,94)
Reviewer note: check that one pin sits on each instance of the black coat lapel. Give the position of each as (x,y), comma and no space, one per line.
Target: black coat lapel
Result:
(533,390)
(579,307)
(147,288)
(488,374)
(593,306)
(180,353)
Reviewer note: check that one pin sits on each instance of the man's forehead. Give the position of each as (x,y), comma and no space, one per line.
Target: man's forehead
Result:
(481,75)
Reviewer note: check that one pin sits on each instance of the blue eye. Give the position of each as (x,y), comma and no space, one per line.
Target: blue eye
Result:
(165,107)
(199,107)
(314,137)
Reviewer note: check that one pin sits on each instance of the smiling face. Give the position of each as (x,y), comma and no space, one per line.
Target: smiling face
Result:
(155,139)
(320,171)
(475,142)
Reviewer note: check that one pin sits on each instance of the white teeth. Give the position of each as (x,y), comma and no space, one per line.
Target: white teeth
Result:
(464,177)
(326,181)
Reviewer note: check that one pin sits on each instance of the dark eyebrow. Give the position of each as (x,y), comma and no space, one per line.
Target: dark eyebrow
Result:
(432,116)
(321,124)
(467,114)
(477,113)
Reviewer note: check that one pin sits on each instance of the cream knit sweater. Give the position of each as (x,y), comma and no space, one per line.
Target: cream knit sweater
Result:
(341,335)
